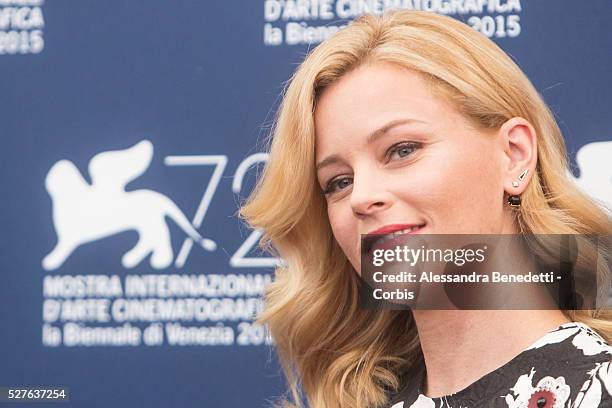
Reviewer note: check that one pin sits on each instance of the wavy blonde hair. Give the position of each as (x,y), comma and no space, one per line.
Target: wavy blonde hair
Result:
(334,352)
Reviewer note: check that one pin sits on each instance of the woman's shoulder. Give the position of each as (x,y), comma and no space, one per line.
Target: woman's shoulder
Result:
(575,369)
(583,338)
(568,366)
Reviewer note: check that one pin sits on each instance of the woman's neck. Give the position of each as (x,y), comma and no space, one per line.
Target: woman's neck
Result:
(461,346)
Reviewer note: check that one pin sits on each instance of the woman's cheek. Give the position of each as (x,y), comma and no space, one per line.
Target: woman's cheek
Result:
(339,226)
(434,198)
(342,228)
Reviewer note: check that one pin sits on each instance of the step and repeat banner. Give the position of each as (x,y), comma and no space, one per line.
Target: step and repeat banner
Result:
(132,130)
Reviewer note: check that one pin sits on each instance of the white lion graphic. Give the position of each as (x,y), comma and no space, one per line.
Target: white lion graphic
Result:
(85,212)
(593,159)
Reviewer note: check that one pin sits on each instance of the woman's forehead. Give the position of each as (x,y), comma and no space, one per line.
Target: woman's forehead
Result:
(371,96)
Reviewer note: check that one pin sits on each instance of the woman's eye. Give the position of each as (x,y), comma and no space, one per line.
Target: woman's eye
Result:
(333,185)
(404,149)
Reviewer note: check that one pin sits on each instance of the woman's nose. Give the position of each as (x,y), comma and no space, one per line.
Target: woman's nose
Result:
(368,194)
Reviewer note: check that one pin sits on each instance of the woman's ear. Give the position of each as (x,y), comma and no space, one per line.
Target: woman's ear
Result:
(520,153)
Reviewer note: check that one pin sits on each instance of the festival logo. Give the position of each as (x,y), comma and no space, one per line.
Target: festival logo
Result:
(151,309)
(84,212)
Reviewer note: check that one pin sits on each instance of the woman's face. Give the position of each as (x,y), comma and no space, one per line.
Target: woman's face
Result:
(400,155)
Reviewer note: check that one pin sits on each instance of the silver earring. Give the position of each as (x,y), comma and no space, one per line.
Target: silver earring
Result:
(521,177)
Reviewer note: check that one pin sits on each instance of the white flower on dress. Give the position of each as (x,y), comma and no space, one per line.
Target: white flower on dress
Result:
(591,343)
(548,388)
(590,393)
(605,373)
(586,339)
(423,402)
(398,405)
(556,336)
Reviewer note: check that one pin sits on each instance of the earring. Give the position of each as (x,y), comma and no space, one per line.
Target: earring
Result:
(514,200)
(521,177)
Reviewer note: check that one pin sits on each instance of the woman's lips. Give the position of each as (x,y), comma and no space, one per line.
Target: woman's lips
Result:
(389,240)
(386,229)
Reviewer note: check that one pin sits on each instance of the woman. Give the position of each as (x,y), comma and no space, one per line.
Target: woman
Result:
(415,122)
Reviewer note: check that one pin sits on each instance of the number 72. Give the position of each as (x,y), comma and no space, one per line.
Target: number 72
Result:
(239,258)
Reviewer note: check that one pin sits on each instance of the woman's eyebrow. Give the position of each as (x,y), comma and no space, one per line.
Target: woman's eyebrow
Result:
(370,139)
(390,125)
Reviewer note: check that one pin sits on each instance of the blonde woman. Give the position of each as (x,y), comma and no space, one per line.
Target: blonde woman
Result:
(414,122)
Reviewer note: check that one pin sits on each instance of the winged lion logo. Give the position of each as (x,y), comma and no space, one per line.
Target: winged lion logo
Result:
(84,212)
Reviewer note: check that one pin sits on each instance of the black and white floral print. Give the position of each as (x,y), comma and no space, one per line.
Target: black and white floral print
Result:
(569,367)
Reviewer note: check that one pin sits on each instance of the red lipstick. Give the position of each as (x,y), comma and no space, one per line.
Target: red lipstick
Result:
(387,229)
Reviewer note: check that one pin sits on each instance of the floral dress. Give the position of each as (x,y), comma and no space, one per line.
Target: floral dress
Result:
(569,367)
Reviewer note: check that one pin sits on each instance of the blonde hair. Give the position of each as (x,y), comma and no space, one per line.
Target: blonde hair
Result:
(338,354)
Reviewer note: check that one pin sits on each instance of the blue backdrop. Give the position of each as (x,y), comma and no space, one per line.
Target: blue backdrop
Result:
(125,123)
